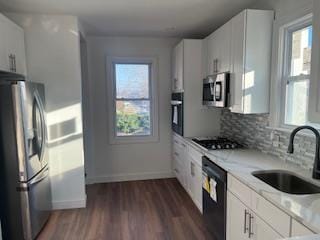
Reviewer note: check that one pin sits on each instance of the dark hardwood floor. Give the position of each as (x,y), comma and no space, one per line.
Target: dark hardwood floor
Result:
(141,210)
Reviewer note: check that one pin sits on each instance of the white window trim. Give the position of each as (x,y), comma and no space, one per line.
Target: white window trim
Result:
(277,99)
(113,138)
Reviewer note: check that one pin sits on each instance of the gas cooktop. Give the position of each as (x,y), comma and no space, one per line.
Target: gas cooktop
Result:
(216,143)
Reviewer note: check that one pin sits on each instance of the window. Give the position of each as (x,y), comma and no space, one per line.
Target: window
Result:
(296,72)
(133,100)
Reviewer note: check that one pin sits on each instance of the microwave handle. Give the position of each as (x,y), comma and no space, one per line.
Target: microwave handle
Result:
(212,88)
(215,89)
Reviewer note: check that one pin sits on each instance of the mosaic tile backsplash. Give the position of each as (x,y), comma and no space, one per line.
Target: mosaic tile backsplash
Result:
(253,131)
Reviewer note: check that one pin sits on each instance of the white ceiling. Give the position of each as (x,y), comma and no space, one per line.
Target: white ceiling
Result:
(167,18)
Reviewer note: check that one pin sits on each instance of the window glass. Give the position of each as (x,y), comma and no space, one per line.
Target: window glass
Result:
(133,118)
(299,45)
(297,102)
(133,102)
(132,80)
(301,41)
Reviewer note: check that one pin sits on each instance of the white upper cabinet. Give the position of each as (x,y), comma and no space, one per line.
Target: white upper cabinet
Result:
(12,48)
(4,59)
(177,59)
(251,39)
(204,64)
(223,48)
(218,50)
(314,97)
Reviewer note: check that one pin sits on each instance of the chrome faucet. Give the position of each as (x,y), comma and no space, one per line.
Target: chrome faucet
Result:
(316,166)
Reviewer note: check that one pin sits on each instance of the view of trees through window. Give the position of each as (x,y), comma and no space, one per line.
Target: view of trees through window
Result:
(133,102)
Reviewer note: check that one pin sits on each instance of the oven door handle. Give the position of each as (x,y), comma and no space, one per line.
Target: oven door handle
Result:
(175,103)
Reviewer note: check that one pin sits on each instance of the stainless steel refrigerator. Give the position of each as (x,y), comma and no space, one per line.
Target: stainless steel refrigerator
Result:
(24,173)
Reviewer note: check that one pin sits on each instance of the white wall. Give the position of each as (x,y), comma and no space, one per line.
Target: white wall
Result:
(53,58)
(128,161)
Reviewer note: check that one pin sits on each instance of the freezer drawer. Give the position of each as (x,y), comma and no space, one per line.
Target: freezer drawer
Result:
(35,204)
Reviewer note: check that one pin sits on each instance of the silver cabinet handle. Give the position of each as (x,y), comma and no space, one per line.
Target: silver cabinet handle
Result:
(175,83)
(250,226)
(11,62)
(14,63)
(245,228)
(176,170)
(183,145)
(215,65)
(177,154)
(192,169)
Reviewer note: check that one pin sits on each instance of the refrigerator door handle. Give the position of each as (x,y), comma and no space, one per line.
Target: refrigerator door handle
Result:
(39,177)
(42,134)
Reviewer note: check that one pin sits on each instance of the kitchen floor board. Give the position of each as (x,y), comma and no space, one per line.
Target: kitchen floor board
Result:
(136,210)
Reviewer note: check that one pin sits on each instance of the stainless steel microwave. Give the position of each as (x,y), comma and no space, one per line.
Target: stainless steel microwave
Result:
(216,90)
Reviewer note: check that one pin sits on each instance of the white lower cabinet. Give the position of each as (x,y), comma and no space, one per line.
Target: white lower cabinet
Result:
(243,224)
(237,225)
(297,229)
(195,183)
(262,231)
(187,168)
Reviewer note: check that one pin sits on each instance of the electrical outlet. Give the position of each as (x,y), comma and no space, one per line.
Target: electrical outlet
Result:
(276,140)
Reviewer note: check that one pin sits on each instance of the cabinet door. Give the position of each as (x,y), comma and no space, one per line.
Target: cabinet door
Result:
(174,70)
(4,58)
(178,169)
(16,47)
(314,98)
(178,68)
(204,64)
(212,53)
(196,184)
(237,53)
(12,44)
(297,229)
(261,230)
(237,219)
(223,47)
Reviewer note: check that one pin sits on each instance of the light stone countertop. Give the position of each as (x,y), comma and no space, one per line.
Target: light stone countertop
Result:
(312,237)
(242,162)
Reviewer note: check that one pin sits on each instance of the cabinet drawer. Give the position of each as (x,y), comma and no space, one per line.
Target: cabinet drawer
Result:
(195,155)
(272,215)
(297,229)
(239,190)
(178,171)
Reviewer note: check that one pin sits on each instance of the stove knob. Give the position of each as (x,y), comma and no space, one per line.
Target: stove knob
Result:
(213,147)
(219,146)
(227,146)
(233,145)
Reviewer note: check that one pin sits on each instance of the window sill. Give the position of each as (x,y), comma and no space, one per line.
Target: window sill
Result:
(133,140)
(289,129)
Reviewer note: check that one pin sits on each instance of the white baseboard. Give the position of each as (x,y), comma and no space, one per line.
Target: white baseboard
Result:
(128,177)
(81,203)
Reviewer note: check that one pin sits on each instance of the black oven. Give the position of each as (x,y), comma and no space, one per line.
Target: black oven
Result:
(216,90)
(177,112)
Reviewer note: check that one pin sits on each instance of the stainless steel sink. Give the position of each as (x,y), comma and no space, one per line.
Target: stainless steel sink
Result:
(286,182)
